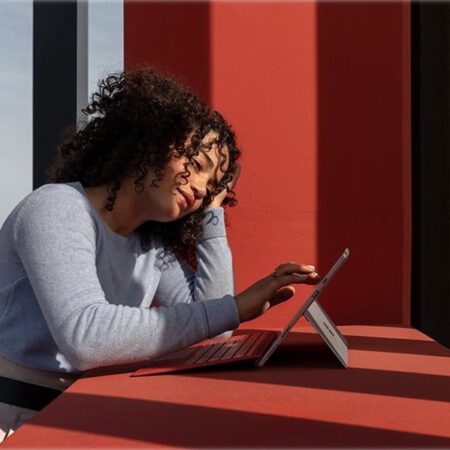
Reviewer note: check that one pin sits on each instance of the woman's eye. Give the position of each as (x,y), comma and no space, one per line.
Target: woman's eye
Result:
(196,164)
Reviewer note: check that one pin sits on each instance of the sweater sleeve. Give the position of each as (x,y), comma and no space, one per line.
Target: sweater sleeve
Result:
(214,275)
(213,278)
(55,238)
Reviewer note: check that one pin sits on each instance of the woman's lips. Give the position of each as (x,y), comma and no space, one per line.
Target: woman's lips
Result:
(187,200)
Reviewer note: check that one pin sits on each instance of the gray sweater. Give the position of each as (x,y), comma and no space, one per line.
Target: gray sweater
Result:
(75,295)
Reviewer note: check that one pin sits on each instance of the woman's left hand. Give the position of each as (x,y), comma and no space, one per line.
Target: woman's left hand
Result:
(220,197)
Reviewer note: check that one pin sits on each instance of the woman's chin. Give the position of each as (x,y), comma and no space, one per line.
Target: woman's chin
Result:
(173,215)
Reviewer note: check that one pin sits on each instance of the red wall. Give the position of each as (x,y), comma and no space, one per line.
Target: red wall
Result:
(318,94)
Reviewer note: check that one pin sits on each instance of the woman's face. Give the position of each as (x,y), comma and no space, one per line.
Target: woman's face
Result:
(177,196)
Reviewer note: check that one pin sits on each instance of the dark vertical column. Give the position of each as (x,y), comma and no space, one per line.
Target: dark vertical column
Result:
(54,79)
(430,307)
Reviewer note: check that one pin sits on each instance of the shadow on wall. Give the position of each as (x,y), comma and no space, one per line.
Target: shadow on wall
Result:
(173,37)
(361,199)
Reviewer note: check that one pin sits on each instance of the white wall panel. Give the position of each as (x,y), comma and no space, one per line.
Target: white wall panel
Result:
(105,43)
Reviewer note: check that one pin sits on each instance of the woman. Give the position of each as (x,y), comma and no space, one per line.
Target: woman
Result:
(124,257)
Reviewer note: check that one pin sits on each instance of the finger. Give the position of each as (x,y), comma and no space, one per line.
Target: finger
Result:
(282,295)
(292,267)
(294,278)
(313,278)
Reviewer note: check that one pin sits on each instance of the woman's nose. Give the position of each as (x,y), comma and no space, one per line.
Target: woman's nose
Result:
(198,186)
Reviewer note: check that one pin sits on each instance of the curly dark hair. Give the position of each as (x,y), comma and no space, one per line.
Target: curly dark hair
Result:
(134,120)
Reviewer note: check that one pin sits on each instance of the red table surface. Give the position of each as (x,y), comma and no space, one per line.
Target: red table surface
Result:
(395,393)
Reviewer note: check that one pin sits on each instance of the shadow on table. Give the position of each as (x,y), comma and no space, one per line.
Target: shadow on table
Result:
(405,346)
(134,420)
(305,361)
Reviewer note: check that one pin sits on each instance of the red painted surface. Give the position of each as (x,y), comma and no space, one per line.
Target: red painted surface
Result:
(318,94)
(363,157)
(174,37)
(395,394)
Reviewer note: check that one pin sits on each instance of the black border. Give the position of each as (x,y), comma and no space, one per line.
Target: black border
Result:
(430,114)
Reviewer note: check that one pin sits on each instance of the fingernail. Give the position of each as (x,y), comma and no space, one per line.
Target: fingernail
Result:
(310,267)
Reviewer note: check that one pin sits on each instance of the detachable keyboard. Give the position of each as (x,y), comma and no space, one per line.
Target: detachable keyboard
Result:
(247,346)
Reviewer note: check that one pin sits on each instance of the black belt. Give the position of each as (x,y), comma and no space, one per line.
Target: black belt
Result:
(26,395)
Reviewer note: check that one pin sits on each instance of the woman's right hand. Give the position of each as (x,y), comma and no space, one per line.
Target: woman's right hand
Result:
(273,289)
